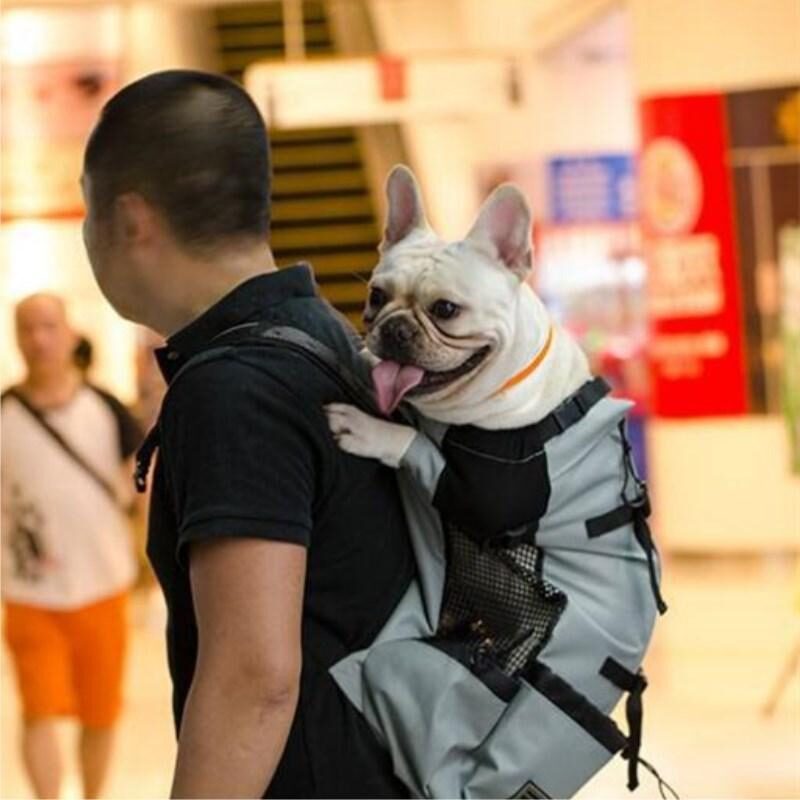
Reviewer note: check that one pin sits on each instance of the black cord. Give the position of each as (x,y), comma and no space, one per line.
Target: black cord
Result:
(661,782)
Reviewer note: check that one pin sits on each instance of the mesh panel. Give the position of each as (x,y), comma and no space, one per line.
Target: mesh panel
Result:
(496,601)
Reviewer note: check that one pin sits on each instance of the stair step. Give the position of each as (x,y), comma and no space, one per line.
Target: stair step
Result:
(349,293)
(298,137)
(237,60)
(314,209)
(324,236)
(249,14)
(310,182)
(260,13)
(259,36)
(356,264)
(284,158)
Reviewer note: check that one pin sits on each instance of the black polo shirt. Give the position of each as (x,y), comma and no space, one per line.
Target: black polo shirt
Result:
(245,450)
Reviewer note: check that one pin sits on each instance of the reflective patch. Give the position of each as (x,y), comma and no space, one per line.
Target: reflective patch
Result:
(529,791)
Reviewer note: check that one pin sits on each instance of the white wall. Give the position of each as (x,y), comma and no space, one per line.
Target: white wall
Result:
(690,46)
(440,151)
(162,36)
(723,484)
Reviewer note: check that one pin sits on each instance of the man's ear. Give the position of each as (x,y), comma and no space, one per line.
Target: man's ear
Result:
(405,213)
(135,220)
(504,227)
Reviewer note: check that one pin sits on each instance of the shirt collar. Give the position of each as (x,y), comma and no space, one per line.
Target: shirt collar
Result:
(247,302)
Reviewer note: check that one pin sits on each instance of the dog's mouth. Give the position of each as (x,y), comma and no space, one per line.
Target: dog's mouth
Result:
(395,381)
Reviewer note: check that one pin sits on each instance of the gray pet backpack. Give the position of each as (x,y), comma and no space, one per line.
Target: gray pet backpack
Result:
(497,671)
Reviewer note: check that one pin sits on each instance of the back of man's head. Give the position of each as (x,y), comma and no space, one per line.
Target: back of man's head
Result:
(194,146)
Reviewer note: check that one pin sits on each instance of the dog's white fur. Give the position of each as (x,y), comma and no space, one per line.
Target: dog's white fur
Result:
(485,275)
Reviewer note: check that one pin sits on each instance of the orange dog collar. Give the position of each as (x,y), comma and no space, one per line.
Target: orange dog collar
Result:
(530,368)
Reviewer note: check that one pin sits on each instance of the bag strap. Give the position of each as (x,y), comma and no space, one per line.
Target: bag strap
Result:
(572,410)
(300,342)
(264,334)
(70,451)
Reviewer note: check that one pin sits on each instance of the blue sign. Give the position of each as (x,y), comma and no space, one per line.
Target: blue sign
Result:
(595,188)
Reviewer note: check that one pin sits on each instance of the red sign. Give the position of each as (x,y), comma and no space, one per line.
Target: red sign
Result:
(392,73)
(694,298)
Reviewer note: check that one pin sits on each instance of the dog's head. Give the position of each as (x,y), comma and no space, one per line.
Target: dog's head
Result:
(438,313)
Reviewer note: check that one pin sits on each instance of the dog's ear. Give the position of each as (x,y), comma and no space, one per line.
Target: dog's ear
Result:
(504,226)
(405,213)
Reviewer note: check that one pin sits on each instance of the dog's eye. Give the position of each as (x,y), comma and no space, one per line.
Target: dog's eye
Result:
(444,309)
(377,297)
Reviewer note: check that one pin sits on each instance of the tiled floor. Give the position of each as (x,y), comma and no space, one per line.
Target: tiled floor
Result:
(729,631)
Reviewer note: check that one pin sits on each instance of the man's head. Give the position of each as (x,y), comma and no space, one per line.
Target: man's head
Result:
(176,167)
(45,338)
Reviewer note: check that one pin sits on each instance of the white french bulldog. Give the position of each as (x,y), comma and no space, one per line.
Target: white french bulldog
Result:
(455,330)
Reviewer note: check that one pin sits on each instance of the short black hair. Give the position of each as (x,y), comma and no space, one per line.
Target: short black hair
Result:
(195,146)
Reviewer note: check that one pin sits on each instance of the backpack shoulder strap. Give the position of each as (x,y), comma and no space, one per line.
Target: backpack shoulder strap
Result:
(266,335)
(326,358)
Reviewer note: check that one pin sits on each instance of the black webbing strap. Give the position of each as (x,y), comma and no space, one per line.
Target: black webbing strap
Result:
(641,530)
(572,410)
(634,684)
(144,457)
(575,705)
(614,519)
(326,358)
(636,512)
(641,511)
(68,449)
(265,334)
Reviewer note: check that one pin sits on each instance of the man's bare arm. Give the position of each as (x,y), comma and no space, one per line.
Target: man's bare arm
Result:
(248,596)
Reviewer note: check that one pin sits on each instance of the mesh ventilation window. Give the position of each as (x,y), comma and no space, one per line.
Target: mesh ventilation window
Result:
(496,601)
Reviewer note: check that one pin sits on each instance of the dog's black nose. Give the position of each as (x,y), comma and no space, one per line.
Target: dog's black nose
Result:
(397,336)
(403,331)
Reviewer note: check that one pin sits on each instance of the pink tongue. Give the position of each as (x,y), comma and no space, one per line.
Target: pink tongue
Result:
(392,382)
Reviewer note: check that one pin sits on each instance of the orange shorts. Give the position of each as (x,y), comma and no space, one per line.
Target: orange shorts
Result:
(70,663)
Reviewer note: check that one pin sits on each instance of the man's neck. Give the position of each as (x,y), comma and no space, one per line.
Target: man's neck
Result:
(51,389)
(204,283)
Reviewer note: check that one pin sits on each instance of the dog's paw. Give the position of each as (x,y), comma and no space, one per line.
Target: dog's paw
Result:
(362,435)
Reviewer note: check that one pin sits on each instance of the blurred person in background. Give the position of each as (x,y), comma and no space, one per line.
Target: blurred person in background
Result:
(278,553)
(67,557)
(83,355)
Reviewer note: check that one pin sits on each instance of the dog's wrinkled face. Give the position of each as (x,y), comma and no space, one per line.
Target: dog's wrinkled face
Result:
(438,312)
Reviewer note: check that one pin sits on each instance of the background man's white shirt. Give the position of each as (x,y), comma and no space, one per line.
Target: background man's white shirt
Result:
(65,543)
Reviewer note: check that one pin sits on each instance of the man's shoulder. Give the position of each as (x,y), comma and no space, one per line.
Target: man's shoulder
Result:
(248,390)
(242,368)
(257,363)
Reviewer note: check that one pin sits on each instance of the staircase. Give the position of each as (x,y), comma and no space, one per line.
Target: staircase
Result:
(322,208)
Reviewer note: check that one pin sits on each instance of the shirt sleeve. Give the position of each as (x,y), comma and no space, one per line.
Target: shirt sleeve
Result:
(242,455)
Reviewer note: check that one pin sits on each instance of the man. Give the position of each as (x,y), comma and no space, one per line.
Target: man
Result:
(277,554)
(67,550)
